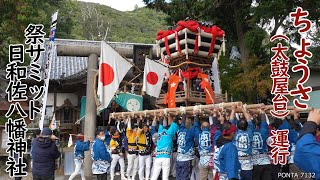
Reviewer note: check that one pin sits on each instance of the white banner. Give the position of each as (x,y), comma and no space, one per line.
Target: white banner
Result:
(47,67)
(214,77)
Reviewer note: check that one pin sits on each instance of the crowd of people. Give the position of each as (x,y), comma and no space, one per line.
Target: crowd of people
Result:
(223,145)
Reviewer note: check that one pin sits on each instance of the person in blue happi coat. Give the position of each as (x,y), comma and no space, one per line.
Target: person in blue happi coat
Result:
(186,136)
(226,161)
(164,148)
(79,149)
(205,150)
(100,156)
(260,158)
(307,153)
(243,142)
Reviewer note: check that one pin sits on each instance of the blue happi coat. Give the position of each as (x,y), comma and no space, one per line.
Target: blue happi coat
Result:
(226,161)
(100,156)
(204,146)
(243,142)
(165,140)
(259,144)
(186,139)
(79,149)
(307,154)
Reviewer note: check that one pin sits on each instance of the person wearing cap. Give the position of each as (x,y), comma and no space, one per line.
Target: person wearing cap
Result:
(100,156)
(117,151)
(226,162)
(164,149)
(307,154)
(133,159)
(79,149)
(186,136)
(44,154)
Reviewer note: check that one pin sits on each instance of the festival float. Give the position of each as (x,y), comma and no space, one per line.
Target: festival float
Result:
(190,50)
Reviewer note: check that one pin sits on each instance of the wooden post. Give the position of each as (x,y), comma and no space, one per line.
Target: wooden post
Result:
(91,109)
(125,88)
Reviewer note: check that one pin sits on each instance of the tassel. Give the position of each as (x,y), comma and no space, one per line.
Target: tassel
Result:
(184,84)
(176,37)
(186,45)
(199,37)
(223,45)
(70,141)
(158,48)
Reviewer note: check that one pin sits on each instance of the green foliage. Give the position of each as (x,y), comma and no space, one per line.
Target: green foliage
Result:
(253,82)
(229,69)
(15,16)
(253,40)
(3,120)
(140,25)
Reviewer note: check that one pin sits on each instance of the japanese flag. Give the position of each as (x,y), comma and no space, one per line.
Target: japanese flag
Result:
(112,69)
(153,77)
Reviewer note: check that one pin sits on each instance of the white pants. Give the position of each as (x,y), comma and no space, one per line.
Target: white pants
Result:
(164,164)
(144,161)
(78,169)
(133,160)
(115,159)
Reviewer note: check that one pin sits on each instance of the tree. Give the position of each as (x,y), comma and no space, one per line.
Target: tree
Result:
(15,16)
(94,26)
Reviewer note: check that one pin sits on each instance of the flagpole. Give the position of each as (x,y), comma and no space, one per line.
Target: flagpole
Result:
(48,68)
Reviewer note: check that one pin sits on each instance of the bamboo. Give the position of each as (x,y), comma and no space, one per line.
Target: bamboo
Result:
(253,106)
(207,109)
(175,110)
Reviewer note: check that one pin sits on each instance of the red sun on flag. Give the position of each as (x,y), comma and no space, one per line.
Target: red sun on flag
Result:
(107,74)
(152,78)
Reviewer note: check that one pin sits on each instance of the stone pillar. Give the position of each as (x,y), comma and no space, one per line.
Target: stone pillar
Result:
(91,110)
